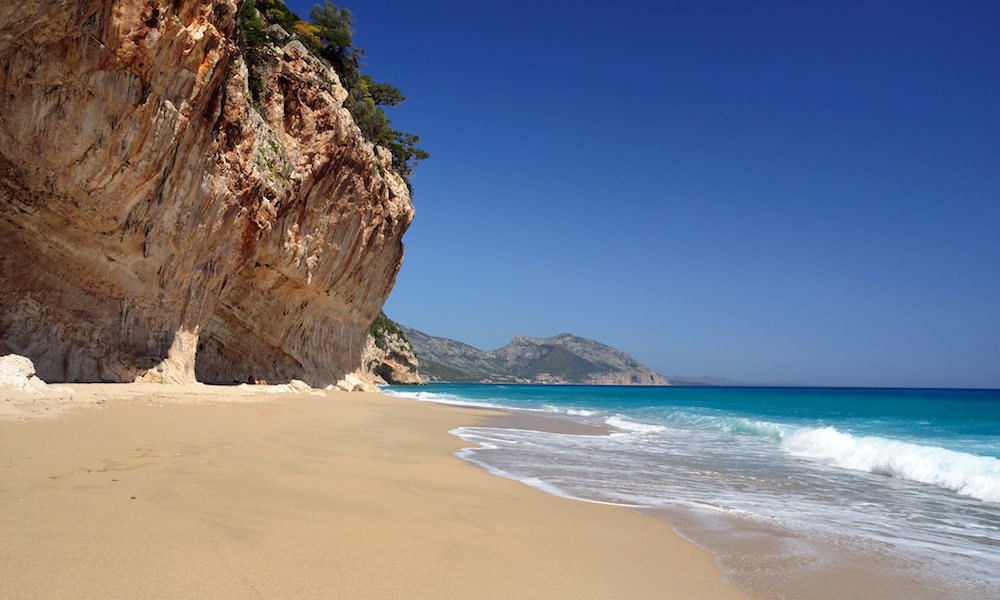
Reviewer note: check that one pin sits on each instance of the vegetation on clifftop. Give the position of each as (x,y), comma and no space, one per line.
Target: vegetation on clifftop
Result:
(382,327)
(328,36)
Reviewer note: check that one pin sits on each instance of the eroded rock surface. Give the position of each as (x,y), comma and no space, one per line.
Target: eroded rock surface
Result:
(394,362)
(155,225)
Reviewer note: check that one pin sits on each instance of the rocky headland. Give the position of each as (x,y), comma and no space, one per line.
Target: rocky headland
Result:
(389,356)
(562,359)
(159,224)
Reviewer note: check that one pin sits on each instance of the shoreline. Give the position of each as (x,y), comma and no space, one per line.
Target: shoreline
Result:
(217,491)
(762,552)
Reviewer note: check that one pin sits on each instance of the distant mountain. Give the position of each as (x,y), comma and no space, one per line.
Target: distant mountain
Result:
(562,359)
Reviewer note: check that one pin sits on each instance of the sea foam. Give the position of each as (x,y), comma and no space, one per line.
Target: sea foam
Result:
(966,474)
(625,424)
(440,398)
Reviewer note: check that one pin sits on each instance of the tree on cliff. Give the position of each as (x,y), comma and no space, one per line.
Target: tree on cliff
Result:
(255,46)
(333,30)
(332,36)
(328,36)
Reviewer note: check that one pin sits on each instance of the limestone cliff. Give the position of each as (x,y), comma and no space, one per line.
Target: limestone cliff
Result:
(388,355)
(155,225)
(395,363)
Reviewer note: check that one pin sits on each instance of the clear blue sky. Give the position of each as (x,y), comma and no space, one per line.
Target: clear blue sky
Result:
(794,192)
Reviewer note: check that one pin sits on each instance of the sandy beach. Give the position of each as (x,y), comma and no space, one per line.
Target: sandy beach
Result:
(215,492)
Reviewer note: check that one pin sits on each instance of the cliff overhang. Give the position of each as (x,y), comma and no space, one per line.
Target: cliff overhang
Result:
(157,225)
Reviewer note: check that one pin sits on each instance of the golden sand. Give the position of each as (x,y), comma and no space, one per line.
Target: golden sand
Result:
(218,492)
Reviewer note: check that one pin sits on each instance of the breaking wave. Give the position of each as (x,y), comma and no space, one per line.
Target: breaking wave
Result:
(966,474)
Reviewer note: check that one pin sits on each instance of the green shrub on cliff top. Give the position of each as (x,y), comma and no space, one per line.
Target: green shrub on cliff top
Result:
(367,97)
(383,327)
(275,11)
(328,36)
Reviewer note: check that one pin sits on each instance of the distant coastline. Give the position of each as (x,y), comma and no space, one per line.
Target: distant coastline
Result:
(558,360)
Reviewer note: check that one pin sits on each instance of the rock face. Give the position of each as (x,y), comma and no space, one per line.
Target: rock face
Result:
(388,355)
(562,359)
(155,225)
(394,362)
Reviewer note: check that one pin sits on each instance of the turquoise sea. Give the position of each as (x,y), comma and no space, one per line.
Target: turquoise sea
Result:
(800,492)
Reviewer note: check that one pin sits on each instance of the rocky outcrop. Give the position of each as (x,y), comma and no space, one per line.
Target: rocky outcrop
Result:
(18,372)
(393,362)
(563,359)
(155,225)
(388,355)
